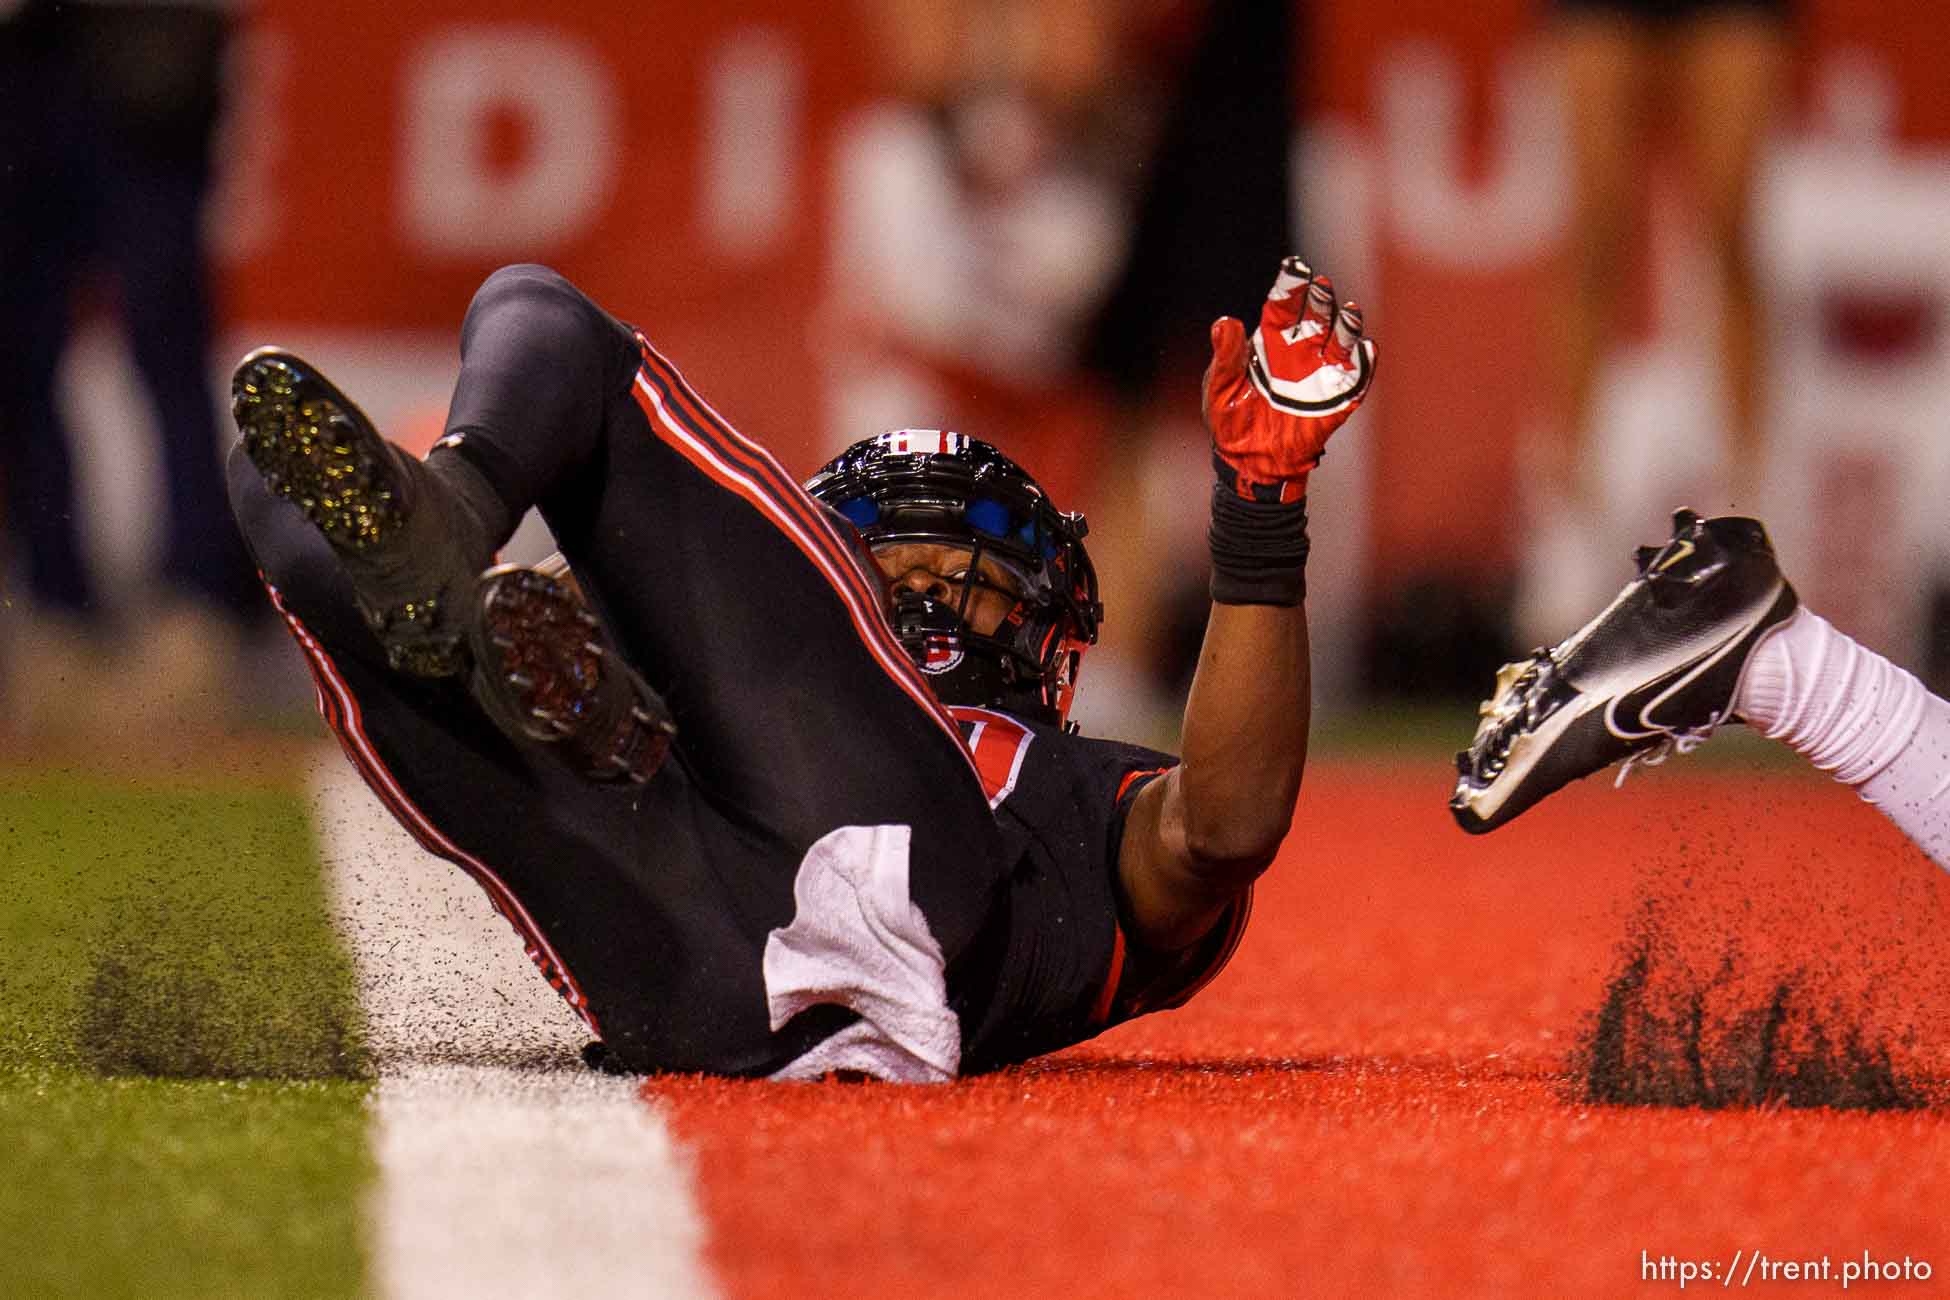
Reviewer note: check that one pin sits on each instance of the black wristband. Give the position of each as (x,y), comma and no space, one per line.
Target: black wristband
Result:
(1259,550)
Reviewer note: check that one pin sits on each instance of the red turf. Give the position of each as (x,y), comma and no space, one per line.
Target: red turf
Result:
(1369,1100)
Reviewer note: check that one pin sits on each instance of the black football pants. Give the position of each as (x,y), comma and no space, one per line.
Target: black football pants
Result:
(729,590)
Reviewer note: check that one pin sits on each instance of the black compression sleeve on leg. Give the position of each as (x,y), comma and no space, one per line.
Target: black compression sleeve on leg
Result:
(540,363)
(484,481)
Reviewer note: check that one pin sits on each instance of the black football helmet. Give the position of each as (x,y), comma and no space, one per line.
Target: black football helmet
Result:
(928,486)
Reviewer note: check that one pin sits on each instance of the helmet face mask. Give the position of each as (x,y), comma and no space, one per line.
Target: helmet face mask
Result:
(923,487)
(975,586)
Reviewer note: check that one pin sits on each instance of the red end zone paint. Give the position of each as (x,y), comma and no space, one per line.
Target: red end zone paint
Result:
(1367,1100)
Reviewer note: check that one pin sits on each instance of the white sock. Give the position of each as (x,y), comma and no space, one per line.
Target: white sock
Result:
(1854,714)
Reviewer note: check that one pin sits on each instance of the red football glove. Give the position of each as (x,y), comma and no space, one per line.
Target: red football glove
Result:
(1272,406)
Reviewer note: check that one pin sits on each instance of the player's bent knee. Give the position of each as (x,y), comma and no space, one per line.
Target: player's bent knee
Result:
(526,278)
(550,312)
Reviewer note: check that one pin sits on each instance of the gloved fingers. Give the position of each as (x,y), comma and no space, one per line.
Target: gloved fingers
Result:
(1288,296)
(1226,374)
(1344,335)
(1319,309)
(1364,358)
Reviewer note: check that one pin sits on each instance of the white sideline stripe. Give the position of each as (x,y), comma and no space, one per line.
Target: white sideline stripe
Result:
(502,1182)
(504,1167)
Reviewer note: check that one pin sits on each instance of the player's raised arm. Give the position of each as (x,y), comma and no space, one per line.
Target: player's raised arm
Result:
(1201,835)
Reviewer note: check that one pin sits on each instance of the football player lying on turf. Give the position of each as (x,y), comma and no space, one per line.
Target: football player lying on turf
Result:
(770,803)
(1710,632)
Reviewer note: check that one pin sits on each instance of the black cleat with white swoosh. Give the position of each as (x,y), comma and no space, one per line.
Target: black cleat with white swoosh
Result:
(1657,670)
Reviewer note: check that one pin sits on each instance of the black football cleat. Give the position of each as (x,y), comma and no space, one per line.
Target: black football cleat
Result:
(546,671)
(1656,671)
(412,550)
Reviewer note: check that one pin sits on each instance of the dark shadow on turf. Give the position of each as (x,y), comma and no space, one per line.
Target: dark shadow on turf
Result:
(181,988)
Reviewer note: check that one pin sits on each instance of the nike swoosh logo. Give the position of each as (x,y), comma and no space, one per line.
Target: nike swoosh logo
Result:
(1635,705)
(1685,549)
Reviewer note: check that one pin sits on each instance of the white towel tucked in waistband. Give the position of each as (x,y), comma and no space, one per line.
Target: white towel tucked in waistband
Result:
(858,940)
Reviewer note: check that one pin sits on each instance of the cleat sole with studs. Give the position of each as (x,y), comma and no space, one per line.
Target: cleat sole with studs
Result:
(545,671)
(314,448)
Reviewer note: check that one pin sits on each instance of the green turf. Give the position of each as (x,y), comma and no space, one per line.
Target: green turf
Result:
(182,933)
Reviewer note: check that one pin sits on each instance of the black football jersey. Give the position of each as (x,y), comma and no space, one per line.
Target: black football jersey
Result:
(1056,955)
